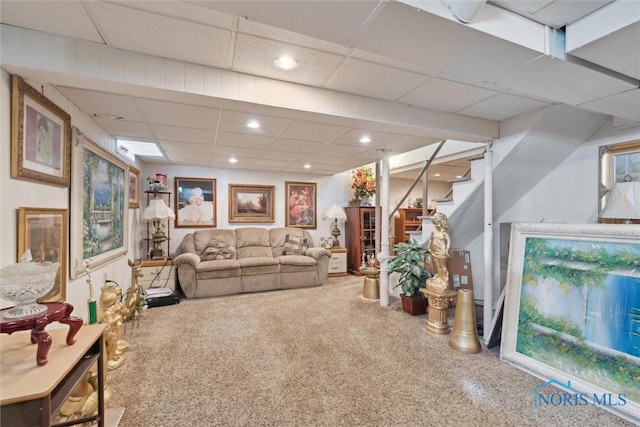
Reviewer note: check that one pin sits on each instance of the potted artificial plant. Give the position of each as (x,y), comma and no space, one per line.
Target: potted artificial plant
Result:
(409,262)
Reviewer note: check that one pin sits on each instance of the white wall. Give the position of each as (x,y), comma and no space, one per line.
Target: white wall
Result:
(16,193)
(569,194)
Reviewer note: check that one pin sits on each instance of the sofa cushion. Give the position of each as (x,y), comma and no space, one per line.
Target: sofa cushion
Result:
(218,250)
(297,263)
(218,269)
(295,245)
(202,238)
(252,242)
(259,265)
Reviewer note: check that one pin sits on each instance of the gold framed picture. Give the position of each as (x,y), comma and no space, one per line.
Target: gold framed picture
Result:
(44,232)
(251,203)
(196,202)
(40,137)
(300,206)
(134,187)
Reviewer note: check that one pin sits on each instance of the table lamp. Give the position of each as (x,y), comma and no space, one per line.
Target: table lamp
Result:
(623,202)
(336,213)
(158,212)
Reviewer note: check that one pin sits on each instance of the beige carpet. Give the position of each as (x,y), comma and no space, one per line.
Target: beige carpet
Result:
(318,356)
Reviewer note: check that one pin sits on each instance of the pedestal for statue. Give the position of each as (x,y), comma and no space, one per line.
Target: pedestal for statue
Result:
(439,302)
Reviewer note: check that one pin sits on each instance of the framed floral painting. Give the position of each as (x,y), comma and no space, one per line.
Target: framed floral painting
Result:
(300,206)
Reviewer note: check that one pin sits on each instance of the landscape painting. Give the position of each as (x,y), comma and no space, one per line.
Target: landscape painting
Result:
(251,203)
(99,220)
(573,307)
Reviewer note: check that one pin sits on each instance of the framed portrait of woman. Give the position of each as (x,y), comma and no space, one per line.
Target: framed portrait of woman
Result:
(300,205)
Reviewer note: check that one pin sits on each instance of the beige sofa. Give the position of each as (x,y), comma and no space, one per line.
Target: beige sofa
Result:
(216,262)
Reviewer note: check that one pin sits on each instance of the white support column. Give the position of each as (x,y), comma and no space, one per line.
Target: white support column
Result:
(488,239)
(383,257)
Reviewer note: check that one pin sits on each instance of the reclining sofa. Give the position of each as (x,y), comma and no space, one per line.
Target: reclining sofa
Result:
(215,262)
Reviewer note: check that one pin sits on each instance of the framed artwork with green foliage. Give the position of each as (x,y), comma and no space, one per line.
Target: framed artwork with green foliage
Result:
(572,312)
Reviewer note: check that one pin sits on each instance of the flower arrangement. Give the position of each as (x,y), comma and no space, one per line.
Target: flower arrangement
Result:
(363,184)
(158,181)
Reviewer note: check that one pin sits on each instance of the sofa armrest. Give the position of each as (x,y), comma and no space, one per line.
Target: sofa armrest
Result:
(318,253)
(187,258)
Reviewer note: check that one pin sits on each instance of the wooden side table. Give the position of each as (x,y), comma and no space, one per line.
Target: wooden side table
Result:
(158,273)
(31,395)
(56,312)
(338,262)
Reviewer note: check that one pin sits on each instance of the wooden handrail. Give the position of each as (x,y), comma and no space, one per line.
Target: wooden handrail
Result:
(464,175)
(415,181)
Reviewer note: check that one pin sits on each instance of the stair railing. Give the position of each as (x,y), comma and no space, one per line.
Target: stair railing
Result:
(450,192)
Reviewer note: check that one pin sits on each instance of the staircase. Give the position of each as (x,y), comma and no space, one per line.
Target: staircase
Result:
(522,165)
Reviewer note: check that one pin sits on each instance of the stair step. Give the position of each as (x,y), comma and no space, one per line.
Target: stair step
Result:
(443,200)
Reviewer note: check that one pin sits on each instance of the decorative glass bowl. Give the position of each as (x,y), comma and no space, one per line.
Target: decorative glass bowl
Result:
(25,282)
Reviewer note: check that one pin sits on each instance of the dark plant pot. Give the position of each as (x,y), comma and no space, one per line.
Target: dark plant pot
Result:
(414,305)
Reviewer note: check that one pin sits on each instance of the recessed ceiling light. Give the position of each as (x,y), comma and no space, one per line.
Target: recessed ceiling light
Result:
(458,176)
(307,166)
(233,160)
(253,124)
(436,174)
(365,139)
(286,63)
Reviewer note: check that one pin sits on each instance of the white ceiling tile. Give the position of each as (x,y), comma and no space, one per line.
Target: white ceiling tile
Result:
(312,131)
(283,155)
(180,157)
(171,113)
(564,81)
(295,146)
(353,138)
(443,95)
(238,152)
(625,105)
(255,55)
(126,129)
(51,17)
(186,147)
(174,133)
(103,104)
(502,107)
(340,151)
(365,78)
(243,140)
(162,36)
(236,122)
(177,9)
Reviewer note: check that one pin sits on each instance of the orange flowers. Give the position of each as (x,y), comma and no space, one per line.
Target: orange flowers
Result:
(363,184)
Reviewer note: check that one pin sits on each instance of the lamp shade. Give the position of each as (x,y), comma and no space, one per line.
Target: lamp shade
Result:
(157,209)
(623,201)
(336,212)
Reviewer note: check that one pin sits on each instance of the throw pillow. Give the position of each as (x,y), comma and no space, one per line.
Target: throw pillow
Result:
(217,250)
(295,245)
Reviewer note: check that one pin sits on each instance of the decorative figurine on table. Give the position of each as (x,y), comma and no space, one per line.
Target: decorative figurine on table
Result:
(439,244)
(113,313)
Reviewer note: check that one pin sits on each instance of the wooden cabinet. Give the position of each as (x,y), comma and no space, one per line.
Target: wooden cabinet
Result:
(360,235)
(157,273)
(408,221)
(31,395)
(338,262)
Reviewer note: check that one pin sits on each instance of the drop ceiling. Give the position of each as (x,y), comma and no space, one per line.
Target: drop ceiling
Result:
(405,73)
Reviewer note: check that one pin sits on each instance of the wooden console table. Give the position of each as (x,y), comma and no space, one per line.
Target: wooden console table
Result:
(31,395)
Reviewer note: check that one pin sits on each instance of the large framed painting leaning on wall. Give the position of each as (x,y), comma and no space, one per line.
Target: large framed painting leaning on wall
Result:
(99,206)
(195,202)
(619,188)
(40,137)
(44,232)
(572,313)
(251,203)
(300,204)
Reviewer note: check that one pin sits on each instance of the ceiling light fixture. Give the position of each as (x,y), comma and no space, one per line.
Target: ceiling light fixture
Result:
(436,174)
(233,160)
(286,63)
(253,124)
(307,166)
(365,139)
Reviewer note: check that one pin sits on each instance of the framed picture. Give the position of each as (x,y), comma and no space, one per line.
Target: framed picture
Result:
(44,232)
(300,204)
(196,202)
(134,187)
(40,137)
(619,188)
(251,203)
(99,203)
(572,311)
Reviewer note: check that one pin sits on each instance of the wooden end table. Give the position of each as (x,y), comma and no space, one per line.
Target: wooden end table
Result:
(56,312)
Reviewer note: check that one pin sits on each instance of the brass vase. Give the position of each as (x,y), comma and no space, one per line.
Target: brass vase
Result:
(463,335)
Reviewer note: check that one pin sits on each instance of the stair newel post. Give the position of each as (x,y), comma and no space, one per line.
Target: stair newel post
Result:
(488,239)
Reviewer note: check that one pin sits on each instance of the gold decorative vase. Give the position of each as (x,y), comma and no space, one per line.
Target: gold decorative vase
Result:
(463,335)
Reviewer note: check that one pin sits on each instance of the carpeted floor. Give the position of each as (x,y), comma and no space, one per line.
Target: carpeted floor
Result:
(319,356)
